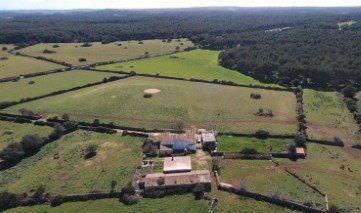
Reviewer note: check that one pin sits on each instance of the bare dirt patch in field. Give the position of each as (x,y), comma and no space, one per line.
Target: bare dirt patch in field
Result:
(152,91)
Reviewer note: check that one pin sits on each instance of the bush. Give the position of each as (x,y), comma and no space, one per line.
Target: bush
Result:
(349,91)
(57,200)
(86,44)
(129,199)
(55,46)
(12,153)
(31,143)
(82,59)
(198,191)
(128,189)
(46,51)
(249,151)
(26,112)
(70,126)
(4,48)
(147,95)
(65,117)
(4,58)
(300,140)
(262,134)
(58,131)
(31,82)
(39,191)
(255,96)
(90,151)
(7,200)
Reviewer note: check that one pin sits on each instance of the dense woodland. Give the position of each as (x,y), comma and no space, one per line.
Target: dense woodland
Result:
(312,52)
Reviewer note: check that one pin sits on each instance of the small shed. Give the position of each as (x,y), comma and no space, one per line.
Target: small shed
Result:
(177,164)
(208,140)
(301,152)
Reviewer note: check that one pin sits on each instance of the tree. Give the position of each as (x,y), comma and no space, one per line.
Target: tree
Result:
(300,140)
(90,151)
(198,191)
(70,126)
(12,153)
(7,200)
(96,122)
(31,143)
(65,117)
(57,132)
(349,91)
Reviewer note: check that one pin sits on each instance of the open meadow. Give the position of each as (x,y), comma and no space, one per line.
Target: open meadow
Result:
(199,64)
(41,85)
(13,132)
(328,117)
(97,52)
(197,105)
(116,159)
(13,65)
(236,144)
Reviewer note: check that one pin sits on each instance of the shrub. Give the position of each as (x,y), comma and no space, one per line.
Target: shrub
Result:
(82,59)
(39,191)
(334,209)
(147,95)
(90,151)
(149,147)
(7,200)
(12,153)
(300,140)
(129,199)
(4,58)
(46,51)
(86,44)
(55,46)
(255,96)
(4,48)
(57,200)
(26,112)
(31,82)
(128,189)
(65,117)
(198,191)
(262,134)
(70,126)
(349,91)
(249,151)
(31,143)
(58,131)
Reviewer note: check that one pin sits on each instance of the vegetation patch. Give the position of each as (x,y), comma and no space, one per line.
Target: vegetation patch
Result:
(327,116)
(13,132)
(15,91)
(17,65)
(199,64)
(195,104)
(69,173)
(98,52)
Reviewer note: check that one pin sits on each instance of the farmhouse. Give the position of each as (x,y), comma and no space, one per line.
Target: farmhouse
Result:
(208,139)
(169,143)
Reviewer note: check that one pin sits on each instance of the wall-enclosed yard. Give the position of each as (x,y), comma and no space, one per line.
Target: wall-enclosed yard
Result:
(14,91)
(236,144)
(195,104)
(328,117)
(71,52)
(116,159)
(199,64)
(13,132)
(18,65)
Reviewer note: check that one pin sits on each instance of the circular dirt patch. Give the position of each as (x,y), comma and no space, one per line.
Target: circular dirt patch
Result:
(151,91)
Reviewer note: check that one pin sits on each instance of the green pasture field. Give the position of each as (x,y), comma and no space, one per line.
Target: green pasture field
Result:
(200,64)
(14,91)
(13,132)
(236,144)
(71,52)
(336,171)
(116,159)
(18,65)
(195,104)
(327,116)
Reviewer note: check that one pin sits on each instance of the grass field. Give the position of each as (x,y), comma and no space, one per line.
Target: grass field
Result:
(236,144)
(71,52)
(18,65)
(200,64)
(196,104)
(327,116)
(13,132)
(14,91)
(116,159)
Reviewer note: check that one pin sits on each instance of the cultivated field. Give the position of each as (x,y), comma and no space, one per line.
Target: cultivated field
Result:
(200,64)
(13,132)
(14,91)
(235,144)
(217,107)
(347,23)
(71,52)
(328,117)
(116,159)
(18,65)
